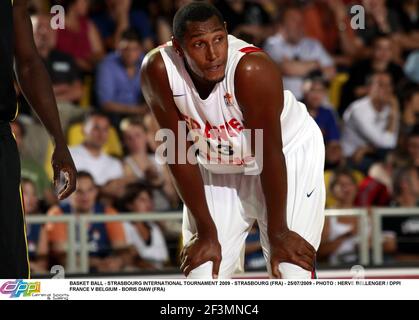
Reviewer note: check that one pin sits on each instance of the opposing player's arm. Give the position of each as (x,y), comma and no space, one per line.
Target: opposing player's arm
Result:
(36,86)
(259,92)
(187,177)
(31,73)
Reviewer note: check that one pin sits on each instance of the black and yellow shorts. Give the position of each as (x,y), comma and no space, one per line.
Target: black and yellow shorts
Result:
(14,262)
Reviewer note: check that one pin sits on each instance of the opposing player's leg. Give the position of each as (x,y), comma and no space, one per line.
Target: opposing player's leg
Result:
(13,247)
(227,200)
(305,199)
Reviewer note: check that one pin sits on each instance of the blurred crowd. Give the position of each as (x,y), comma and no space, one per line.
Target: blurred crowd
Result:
(357,71)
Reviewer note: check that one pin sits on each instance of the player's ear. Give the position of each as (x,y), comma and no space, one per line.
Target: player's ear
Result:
(177,46)
(225,26)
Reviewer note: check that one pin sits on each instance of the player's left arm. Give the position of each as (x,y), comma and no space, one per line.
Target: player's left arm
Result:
(259,92)
(37,88)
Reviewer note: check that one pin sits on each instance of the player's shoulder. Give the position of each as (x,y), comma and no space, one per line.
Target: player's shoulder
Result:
(254,65)
(153,63)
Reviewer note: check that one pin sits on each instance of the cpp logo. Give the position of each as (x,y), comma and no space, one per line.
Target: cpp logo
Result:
(20,287)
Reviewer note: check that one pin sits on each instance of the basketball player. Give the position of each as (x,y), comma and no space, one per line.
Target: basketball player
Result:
(214,80)
(17,51)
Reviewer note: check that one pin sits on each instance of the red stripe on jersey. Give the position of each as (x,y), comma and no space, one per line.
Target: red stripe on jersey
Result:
(250,49)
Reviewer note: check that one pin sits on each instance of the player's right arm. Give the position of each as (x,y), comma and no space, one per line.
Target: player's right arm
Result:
(204,246)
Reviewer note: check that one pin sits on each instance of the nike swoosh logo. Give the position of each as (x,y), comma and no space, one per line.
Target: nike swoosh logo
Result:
(309,194)
(179,95)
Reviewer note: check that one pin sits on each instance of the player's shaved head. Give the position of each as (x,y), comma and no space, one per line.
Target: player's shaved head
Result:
(197,11)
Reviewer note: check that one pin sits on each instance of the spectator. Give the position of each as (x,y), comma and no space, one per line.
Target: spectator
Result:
(62,69)
(406,188)
(161,14)
(381,61)
(38,6)
(340,234)
(409,15)
(104,239)
(146,237)
(371,124)
(405,229)
(31,169)
(296,54)
(35,233)
(107,171)
(373,193)
(413,147)
(118,79)
(117,18)
(142,166)
(334,157)
(411,68)
(328,22)
(315,95)
(36,140)
(410,117)
(379,20)
(246,17)
(339,239)
(382,172)
(80,38)
(329,175)
(152,127)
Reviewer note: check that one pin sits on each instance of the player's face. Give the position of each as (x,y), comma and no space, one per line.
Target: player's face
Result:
(205,48)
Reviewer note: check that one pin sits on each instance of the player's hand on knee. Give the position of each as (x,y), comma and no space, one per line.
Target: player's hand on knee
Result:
(290,247)
(200,250)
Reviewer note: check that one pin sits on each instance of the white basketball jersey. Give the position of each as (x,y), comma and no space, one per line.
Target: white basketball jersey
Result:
(217,123)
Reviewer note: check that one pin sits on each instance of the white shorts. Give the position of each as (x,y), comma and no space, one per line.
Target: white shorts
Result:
(236,201)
